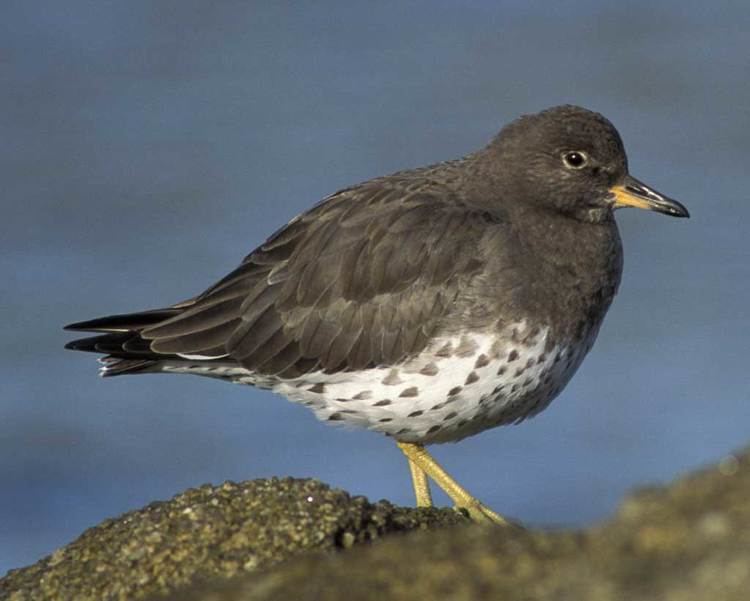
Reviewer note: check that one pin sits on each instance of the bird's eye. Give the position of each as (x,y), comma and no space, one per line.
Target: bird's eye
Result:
(575,159)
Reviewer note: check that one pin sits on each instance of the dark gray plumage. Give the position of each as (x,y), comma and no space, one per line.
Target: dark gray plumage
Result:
(428,305)
(516,232)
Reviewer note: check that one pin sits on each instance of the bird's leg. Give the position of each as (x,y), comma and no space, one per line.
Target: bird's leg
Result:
(419,457)
(421,485)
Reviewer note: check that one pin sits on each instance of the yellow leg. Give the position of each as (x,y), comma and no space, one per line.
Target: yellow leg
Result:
(421,485)
(419,457)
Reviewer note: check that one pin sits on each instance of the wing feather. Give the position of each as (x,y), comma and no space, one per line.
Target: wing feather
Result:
(362,279)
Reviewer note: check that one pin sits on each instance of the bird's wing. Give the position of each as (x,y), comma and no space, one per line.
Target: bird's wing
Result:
(360,280)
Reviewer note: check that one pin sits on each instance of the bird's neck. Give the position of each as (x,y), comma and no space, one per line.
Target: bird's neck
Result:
(580,261)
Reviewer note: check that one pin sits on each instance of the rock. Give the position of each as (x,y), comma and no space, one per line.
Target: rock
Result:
(210,533)
(686,542)
(262,540)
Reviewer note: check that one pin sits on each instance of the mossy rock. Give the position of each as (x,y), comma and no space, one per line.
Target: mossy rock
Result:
(208,533)
(280,539)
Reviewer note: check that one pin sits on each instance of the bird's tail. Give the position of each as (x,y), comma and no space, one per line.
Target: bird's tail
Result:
(120,340)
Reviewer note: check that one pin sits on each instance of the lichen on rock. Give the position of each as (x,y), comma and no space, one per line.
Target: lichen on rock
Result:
(272,539)
(210,533)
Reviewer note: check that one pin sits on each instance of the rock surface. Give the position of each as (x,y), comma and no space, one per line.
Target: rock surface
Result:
(686,542)
(210,533)
(262,540)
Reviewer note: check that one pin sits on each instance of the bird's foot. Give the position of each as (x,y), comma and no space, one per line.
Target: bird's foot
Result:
(423,465)
(478,512)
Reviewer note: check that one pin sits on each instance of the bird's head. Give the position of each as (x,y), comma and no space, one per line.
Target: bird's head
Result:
(571,160)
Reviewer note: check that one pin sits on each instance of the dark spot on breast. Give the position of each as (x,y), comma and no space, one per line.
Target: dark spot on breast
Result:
(498,389)
(403,431)
(467,347)
(317,388)
(501,371)
(450,416)
(471,378)
(363,396)
(514,388)
(415,413)
(437,407)
(496,348)
(482,361)
(512,356)
(433,429)
(519,371)
(445,351)
(392,378)
(385,420)
(530,338)
(462,423)
(383,403)
(455,390)
(410,392)
(530,362)
(429,370)
(541,358)
(335,417)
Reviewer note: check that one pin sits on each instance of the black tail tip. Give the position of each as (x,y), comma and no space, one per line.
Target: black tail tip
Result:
(82,344)
(124,322)
(90,325)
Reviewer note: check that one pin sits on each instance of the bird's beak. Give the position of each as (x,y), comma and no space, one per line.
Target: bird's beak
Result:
(632,193)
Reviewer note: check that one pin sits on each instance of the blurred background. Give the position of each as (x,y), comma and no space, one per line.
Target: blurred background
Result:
(148,146)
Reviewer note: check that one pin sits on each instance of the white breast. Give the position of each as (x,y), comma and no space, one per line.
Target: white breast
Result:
(458,386)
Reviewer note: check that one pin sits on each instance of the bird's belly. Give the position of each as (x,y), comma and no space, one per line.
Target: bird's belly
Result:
(456,387)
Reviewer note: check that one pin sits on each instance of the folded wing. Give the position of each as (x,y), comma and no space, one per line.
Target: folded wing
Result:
(362,279)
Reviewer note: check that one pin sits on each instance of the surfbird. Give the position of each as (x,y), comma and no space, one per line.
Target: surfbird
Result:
(428,305)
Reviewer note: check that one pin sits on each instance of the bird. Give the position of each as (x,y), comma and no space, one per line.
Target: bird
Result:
(428,305)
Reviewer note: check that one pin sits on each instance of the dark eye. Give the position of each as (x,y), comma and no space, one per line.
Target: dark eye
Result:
(575,159)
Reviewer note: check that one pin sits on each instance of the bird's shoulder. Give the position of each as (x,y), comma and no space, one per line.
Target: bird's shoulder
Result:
(376,236)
